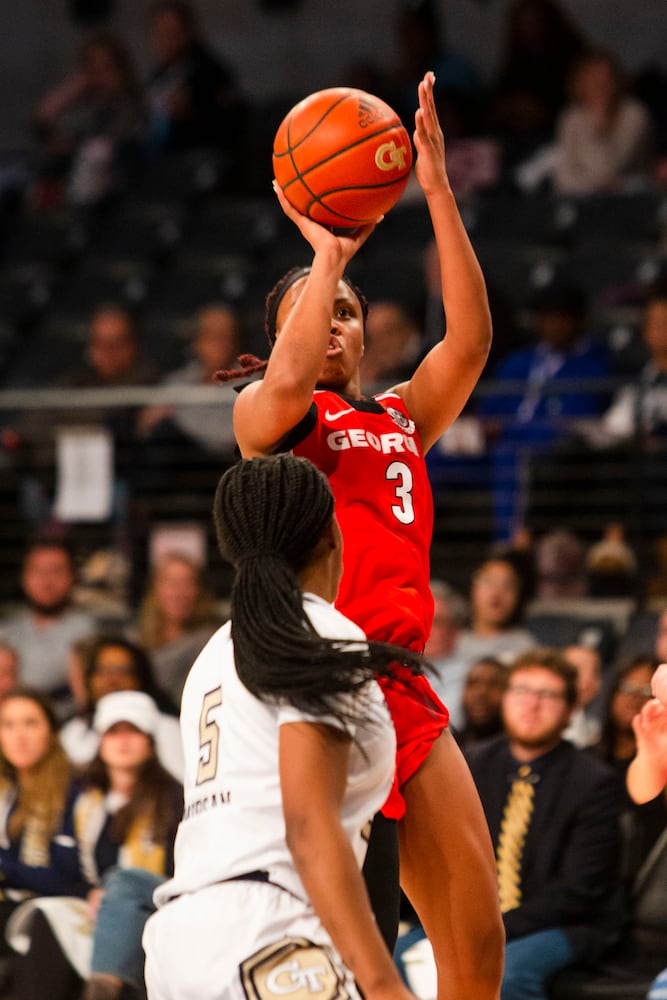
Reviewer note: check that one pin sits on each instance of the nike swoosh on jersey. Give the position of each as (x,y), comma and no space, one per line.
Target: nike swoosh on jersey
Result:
(341,413)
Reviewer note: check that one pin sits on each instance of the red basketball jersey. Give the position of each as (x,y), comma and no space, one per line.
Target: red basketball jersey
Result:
(371,454)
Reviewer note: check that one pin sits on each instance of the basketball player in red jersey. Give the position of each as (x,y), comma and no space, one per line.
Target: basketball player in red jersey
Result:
(373,454)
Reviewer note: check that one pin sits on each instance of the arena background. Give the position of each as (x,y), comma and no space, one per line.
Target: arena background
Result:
(299,49)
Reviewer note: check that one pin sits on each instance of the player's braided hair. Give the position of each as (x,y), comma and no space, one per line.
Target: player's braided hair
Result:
(269,515)
(249,363)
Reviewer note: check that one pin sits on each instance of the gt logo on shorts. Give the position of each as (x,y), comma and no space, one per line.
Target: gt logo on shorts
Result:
(295,968)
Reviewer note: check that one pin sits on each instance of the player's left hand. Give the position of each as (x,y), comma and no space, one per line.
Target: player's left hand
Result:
(430,167)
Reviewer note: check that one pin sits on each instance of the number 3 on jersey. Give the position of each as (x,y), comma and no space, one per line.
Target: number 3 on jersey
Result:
(404,510)
(209,737)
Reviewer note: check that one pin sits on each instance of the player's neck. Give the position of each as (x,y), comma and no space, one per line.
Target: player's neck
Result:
(351,389)
(322,575)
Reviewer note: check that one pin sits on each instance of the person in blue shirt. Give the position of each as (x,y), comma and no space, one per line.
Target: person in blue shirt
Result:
(538,390)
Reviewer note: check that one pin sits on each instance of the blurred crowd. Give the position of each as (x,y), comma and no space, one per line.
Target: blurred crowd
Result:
(559,612)
(559,111)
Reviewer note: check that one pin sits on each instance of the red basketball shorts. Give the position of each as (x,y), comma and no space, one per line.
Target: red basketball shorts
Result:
(419,717)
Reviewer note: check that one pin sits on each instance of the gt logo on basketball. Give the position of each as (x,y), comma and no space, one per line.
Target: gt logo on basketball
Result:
(389,156)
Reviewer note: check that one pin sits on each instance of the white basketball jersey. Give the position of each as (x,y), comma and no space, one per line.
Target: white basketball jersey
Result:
(233,820)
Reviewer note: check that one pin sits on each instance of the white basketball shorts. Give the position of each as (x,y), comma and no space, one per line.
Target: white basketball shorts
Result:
(242,940)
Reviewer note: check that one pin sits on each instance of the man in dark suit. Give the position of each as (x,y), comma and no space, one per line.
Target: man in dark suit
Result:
(553,813)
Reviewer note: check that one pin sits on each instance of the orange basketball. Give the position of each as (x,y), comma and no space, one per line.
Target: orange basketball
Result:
(342,157)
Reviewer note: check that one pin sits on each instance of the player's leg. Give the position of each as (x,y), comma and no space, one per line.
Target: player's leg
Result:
(448,873)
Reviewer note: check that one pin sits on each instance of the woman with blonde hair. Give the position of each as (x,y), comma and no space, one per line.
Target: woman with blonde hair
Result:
(177,616)
(38,851)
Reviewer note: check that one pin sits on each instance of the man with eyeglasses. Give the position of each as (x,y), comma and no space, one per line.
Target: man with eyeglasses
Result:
(553,813)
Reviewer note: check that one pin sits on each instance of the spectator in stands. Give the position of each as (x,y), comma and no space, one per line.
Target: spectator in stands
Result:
(43,631)
(635,423)
(629,968)
(38,855)
(553,814)
(193,97)
(113,353)
(522,425)
(496,613)
(604,137)
(392,344)
(611,565)
(89,125)
(638,413)
(628,693)
(541,43)
(113,360)
(177,617)
(9,667)
(125,822)
(481,702)
(450,613)
(585,727)
(183,434)
(422,46)
(560,557)
(101,666)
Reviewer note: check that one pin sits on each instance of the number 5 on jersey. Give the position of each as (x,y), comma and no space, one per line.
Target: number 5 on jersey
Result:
(209,737)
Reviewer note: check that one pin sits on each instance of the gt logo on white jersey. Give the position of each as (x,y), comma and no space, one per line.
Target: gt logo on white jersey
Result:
(290,977)
(294,967)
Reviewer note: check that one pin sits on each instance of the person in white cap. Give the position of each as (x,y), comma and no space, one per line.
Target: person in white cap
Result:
(112,663)
(139,805)
(125,821)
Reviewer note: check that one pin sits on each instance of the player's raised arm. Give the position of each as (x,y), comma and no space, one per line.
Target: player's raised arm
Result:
(444,380)
(265,411)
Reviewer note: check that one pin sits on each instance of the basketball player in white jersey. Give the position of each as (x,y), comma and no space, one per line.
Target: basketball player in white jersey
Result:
(289,753)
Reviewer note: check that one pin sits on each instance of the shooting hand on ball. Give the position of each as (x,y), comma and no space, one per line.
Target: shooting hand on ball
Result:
(345,243)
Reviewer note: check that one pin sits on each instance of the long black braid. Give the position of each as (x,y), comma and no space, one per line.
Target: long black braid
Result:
(269,515)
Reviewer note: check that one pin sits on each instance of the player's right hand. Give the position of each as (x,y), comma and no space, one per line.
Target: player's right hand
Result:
(344,243)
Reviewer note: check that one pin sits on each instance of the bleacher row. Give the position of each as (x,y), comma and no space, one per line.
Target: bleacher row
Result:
(175,240)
